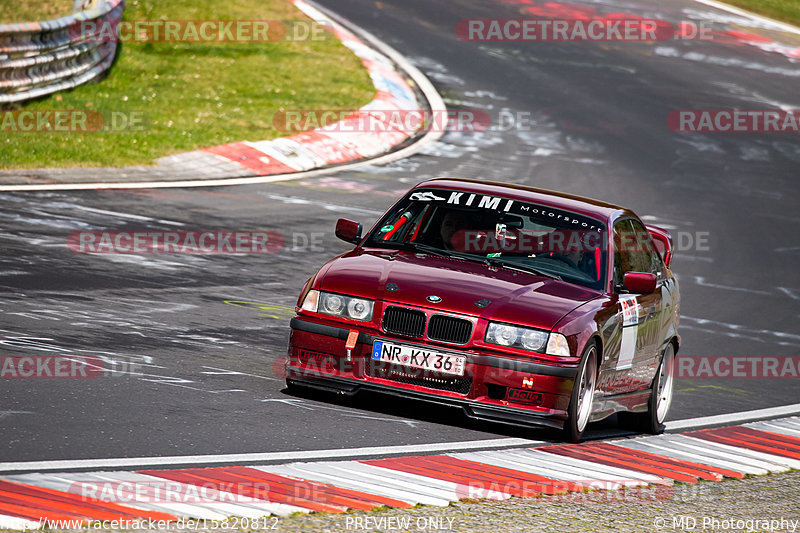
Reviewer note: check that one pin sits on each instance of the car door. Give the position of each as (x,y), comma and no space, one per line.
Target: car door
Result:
(660,302)
(639,316)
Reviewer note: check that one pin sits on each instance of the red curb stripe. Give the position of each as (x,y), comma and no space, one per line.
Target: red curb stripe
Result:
(577,453)
(723,472)
(537,482)
(281,490)
(503,483)
(74,503)
(467,485)
(324,147)
(678,465)
(759,438)
(745,441)
(46,508)
(374,500)
(34,514)
(299,492)
(250,158)
(792,442)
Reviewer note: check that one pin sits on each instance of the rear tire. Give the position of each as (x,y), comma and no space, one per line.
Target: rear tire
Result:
(580,404)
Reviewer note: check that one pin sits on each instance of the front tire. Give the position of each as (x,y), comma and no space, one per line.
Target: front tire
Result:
(580,404)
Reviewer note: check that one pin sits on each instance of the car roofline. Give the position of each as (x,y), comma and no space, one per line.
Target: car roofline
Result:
(584,204)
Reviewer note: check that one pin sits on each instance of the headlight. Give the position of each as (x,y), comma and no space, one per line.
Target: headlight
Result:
(339,305)
(557,345)
(533,340)
(359,309)
(332,304)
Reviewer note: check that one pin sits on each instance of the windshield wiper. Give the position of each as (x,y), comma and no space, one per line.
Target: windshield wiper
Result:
(409,246)
(522,268)
(422,248)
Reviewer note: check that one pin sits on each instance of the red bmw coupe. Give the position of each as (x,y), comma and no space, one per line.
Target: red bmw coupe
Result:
(519,305)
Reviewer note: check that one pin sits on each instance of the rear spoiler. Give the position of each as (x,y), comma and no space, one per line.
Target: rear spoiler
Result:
(663,241)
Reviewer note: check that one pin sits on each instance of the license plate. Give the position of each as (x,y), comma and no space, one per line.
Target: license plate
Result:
(420,358)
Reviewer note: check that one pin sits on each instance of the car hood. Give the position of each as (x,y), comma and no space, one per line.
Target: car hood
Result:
(515,297)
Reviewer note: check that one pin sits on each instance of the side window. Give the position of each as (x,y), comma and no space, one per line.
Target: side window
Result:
(622,250)
(650,258)
(634,250)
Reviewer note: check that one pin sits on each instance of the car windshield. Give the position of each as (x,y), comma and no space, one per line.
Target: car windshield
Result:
(501,231)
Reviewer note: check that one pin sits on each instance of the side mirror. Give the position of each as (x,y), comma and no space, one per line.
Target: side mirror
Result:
(640,282)
(348,231)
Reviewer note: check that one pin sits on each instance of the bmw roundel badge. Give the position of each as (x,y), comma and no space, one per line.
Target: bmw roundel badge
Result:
(434,299)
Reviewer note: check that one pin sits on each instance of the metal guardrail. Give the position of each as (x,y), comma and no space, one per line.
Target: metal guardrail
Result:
(40,58)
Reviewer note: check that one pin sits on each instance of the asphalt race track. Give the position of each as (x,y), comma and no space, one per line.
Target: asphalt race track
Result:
(206,333)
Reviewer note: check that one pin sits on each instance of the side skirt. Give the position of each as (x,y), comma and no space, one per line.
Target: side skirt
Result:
(608,405)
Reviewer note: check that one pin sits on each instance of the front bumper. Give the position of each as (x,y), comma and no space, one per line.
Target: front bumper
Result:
(495,388)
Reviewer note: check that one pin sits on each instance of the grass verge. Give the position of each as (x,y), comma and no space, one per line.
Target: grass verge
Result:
(785,10)
(33,10)
(195,94)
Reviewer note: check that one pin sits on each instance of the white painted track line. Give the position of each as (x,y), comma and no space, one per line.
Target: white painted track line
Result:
(375,451)
(196,499)
(180,460)
(733,418)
